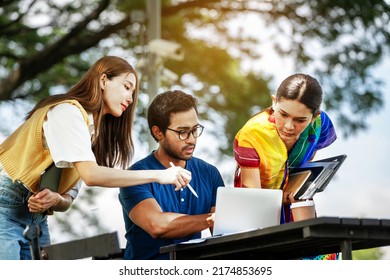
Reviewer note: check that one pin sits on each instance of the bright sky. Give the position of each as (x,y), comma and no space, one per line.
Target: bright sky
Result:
(361,188)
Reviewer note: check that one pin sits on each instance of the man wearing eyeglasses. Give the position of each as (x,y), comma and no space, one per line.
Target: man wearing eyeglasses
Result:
(157,215)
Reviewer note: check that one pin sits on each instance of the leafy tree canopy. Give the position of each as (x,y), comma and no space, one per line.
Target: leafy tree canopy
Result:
(46,45)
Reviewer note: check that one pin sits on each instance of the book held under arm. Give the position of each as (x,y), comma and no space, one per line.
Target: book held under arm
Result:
(50,178)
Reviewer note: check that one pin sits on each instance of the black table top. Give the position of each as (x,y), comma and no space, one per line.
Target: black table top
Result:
(312,237)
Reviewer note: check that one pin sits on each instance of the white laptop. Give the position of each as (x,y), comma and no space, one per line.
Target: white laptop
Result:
(245,209)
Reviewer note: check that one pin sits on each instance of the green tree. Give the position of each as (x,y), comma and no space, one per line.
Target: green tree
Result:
(46,45)
(367,254)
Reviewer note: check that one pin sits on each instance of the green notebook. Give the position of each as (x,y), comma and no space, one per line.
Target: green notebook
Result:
(50,178)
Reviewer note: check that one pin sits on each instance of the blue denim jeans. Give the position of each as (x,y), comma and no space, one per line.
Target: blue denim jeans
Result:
(14,218)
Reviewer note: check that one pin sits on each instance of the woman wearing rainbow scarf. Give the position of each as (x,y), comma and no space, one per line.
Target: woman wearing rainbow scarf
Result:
(288,134)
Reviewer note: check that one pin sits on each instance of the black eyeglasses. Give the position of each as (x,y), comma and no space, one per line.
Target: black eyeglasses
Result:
(185,133)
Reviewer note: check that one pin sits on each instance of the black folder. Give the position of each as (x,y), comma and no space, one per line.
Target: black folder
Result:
(50,178)
(321,172)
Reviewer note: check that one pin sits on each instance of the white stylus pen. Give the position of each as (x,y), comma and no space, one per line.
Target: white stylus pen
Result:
(189,186)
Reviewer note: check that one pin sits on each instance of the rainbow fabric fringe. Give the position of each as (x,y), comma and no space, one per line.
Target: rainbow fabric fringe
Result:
(326,257)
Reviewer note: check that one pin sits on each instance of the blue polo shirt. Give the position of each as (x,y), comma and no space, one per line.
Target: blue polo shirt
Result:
(205,180)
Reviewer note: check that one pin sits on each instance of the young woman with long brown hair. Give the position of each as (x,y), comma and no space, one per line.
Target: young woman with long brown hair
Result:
(87,133)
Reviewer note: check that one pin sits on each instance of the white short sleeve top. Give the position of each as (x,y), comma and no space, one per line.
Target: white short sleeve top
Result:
(68,137)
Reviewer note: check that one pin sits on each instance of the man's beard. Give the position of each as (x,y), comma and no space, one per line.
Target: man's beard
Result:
(171,153)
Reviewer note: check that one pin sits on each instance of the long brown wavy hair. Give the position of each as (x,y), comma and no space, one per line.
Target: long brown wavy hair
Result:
(113,145)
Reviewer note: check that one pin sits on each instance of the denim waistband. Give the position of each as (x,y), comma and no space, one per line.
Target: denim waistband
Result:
(17,187)
(17,196)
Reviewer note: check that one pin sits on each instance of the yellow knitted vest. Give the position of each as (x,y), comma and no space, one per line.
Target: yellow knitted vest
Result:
(23,155)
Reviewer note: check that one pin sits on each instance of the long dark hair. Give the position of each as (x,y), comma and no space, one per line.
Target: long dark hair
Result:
(113,145)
